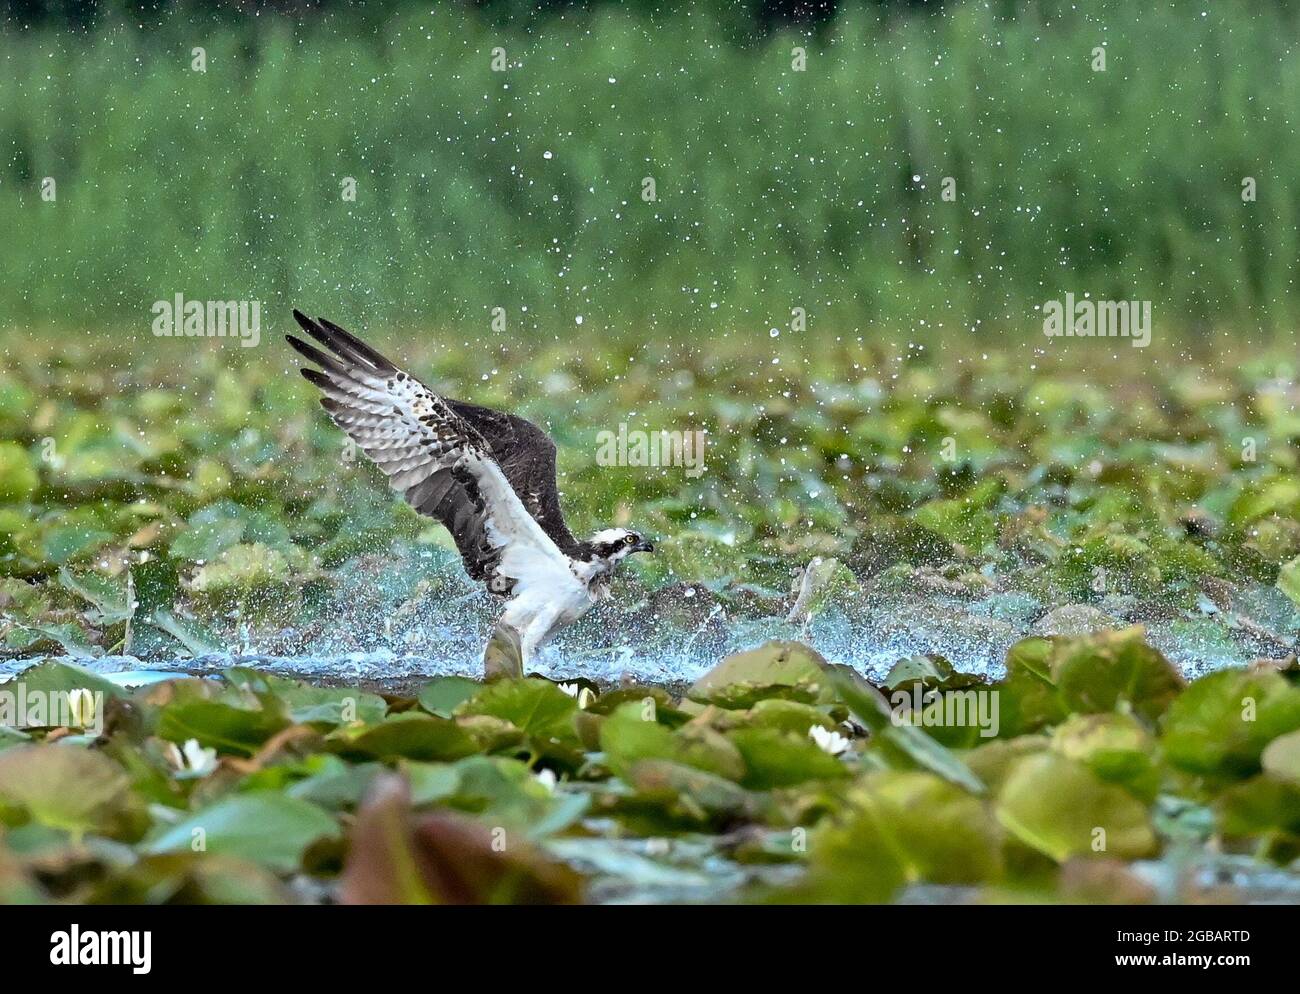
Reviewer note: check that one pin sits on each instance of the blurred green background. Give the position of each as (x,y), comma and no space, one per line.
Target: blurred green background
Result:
(775,188)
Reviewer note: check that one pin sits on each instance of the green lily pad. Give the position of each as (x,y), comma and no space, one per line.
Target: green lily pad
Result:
(936,832)
(687,792)
(70,637)
(18,476)
(243,569)
(310,705)
(197,638)
(431,782)
(789,716)
(54,677)
(10,737)
(157,586)
(931,672)
(337,786)
(626,738)
(1116,747)
(206,541)
(1059,807)
(1263,811)
(1028,694)
(1222,723)
(410,735)
(994,760)
(774,758)
(851,862)
(905,742)
(192,878)
(108,597)
(959,520)
(777,669)
(1288,580)
(1281,757)
(444,695)
(65,787)
(219,724)
(1280,495)
(269,829)
(500,790)
(1097,672)
(536,707)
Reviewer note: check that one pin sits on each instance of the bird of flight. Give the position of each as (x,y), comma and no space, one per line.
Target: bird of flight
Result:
(487,476)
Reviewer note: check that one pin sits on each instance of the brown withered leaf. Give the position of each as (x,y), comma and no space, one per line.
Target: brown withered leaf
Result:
(399,857)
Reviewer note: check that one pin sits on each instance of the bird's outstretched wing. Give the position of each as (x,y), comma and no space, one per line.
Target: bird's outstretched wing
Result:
(526,454)
(440,455)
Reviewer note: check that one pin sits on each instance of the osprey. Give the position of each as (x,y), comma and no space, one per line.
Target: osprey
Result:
(488,476)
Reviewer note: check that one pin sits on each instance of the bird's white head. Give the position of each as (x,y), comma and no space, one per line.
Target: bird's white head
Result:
(611,546)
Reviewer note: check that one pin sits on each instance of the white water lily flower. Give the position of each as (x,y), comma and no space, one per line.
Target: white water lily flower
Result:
(81,708)
(191,759)
(578,692)
(828,741)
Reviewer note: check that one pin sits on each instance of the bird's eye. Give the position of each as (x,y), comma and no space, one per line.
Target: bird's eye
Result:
(629,539)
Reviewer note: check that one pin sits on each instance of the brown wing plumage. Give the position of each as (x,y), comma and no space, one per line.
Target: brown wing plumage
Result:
(526,454)
(418,439)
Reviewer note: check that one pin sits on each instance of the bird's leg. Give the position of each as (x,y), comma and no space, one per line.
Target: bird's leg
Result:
(536,632)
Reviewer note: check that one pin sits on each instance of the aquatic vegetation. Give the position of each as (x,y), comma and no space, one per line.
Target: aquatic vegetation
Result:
(776,777)
(859,670)
(919,505)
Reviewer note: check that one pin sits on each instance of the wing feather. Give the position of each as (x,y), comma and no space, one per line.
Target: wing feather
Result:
(438,459)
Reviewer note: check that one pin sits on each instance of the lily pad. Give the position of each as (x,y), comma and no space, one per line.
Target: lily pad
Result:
(444,695)
(398,857)
(1028,694)
(538,708)
(308,705)
(18,476)
(789,716)
(1116,747)
(905,741)
(270,829)
(410,735)
(688,792)
(109,598)
(194,636)
(1222,723)
(626,738)
(1288,580)
(777,669)
(55,677)
(774,758)
(64,787)
(1098,672)
(1060,808)
(1281,757)
(1264,807)
(931,672)
(219,724)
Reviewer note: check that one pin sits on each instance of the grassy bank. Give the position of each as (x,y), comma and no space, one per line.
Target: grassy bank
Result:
(775,189)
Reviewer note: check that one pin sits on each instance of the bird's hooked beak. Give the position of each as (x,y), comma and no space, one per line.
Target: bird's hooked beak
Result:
(643,546)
